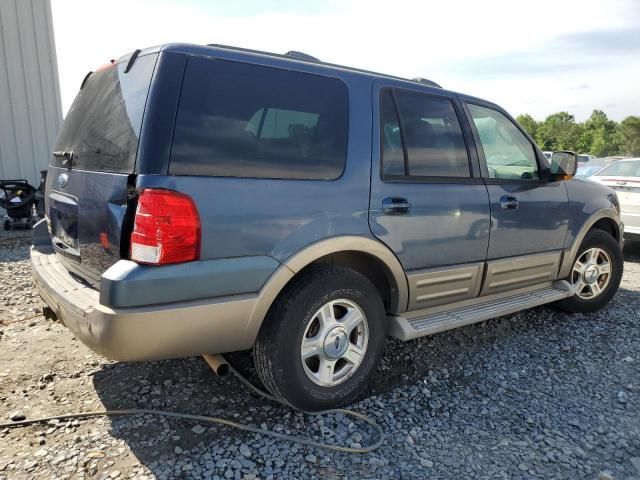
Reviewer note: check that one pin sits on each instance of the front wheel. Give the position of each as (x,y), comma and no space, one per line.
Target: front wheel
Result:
(322,338)
(595,275)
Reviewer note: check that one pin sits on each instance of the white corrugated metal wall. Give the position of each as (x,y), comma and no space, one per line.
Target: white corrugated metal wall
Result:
(30,107)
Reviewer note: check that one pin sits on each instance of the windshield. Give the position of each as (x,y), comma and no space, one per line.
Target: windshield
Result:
(621,169)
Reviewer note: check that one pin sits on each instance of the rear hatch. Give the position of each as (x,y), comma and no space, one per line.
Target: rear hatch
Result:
(91,172)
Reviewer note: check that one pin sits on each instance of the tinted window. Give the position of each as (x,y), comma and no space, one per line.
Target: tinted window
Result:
(431,133)
(103,124)
(508,153)
(392,151)
(242,120)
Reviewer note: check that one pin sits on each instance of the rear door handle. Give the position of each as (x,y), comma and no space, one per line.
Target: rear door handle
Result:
(395,206)
(507,202)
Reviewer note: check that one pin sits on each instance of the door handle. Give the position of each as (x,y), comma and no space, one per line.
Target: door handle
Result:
(507,202)
(395,206)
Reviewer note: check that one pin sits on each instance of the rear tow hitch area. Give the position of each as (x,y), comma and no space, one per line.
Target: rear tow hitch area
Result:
(49,314)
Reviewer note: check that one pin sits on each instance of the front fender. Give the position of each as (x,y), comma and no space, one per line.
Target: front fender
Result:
(589,202)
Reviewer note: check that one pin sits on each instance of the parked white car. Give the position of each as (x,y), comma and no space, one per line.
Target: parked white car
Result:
(624,177)
(584,158)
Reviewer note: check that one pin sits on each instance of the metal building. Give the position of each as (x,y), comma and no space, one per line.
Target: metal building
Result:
(30,106)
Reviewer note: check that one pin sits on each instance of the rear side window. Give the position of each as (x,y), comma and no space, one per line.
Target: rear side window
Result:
(102,127)
(421,136)
(241,120)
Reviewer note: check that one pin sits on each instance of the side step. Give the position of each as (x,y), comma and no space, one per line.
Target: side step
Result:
(476,310)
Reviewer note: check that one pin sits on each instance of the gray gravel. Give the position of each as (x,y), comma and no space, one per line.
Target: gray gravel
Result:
(539,394)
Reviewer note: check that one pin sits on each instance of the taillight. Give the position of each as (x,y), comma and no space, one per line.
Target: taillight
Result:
(166,228)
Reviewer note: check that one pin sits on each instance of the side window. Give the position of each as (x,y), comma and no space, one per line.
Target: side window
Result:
(241,120)
(392,150)
(509,154)
(431,134)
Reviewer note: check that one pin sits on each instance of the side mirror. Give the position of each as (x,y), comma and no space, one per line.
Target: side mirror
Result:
(563,165)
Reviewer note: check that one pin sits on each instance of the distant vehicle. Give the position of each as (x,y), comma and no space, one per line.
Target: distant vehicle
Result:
(583,158)
(585,171)
(547,154)
(209,199)
(594,165)
(624,177)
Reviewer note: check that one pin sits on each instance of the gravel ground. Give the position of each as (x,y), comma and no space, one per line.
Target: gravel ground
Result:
(539,394)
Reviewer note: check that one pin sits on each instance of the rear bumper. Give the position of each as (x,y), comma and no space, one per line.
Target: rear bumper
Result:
(145,333)
(631,226)
(632,234)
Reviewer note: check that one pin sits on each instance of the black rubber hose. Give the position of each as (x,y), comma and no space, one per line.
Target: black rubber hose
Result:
(229,423)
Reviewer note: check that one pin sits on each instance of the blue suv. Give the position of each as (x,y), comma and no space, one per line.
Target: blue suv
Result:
(209,199)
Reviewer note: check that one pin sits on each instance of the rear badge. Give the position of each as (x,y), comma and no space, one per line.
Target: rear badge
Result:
(63,179)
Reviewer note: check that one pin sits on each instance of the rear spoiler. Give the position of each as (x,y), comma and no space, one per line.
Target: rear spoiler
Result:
(130,59)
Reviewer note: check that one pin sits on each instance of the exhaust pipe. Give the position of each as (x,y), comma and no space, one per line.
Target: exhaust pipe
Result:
(218,364)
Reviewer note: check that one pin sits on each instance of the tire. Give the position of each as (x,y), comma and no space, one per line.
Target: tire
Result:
(323,291)
(582,302)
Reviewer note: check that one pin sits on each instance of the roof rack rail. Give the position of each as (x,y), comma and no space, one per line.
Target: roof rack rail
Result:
(301,56)
(304,57)
(290,54)
(426,81)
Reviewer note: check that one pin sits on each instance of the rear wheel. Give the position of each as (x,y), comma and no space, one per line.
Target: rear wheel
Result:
(322,338)
(596,273)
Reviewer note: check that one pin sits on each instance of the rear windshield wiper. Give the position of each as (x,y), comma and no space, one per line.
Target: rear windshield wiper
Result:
(67,157)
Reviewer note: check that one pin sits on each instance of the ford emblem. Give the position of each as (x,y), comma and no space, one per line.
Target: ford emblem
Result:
(63,179)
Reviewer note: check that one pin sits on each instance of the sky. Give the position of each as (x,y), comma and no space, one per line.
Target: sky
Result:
(530,57)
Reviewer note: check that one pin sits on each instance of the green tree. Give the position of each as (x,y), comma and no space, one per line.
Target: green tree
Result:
(528,123)
(628,136)
(598,135)
(559,131)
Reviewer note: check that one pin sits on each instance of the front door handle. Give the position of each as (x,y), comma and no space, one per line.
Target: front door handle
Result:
(395,206)
(507,202)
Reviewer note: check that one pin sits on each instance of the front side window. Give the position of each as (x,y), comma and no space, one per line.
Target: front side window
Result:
(421,136)
(508,153)
(241,120)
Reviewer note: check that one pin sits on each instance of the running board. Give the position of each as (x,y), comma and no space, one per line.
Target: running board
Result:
(476,310)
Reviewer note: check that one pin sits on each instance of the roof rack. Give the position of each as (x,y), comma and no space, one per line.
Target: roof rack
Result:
(304,57)
(290,54)
(301,56)
(426,81)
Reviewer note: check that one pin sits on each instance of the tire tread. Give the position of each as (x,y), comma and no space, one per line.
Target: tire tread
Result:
(314,275)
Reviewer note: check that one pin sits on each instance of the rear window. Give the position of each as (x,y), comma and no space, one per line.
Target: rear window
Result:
(241,120)
(102,127)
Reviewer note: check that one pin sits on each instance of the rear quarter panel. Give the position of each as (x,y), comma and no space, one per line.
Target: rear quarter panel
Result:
(256,216)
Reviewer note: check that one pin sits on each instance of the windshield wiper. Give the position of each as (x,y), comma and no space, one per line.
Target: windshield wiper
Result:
(67,157)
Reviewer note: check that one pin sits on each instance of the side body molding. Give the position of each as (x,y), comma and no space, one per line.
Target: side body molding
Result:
(317,250)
